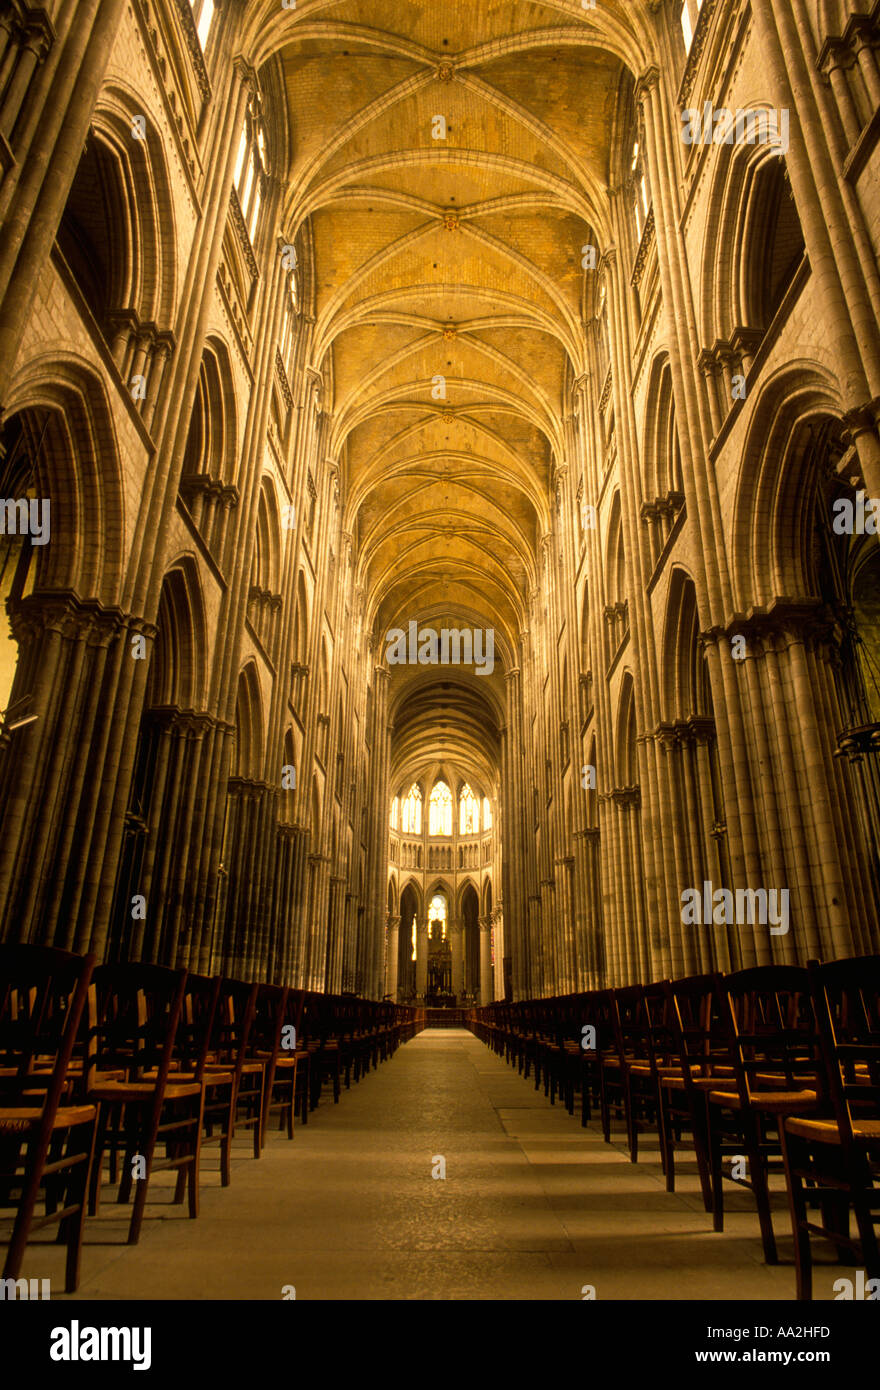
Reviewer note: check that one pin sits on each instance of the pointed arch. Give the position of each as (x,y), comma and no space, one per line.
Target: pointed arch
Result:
(287,800)
(773,511)
(615,556)
(117,232)
(67,433)
(266,568)
(686,684)
(301,622)
(487,897)
(316,812)
(411,811)
(212,442)
(661,448)
(753,242)
(178,666)
(468,812)
(625,742)
(440,806)
(249,736)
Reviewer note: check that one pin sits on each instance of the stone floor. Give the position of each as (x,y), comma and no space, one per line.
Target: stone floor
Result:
(532,1206)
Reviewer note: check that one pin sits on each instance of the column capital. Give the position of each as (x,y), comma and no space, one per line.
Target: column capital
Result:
(245,72)
(647,83)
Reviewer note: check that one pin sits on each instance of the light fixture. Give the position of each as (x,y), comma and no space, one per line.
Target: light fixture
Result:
(11,720)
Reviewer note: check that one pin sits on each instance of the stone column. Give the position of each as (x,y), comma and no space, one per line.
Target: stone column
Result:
(514,808)
(498,930)
(35,219)
(486,992)
(456,941)
(392,937)
(373,946)
(694,421)
(421,958)
(842,258)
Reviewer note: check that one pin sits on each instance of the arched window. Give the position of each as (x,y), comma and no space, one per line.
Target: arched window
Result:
(437,912)
(203,15)
(487,814)
(468,812)
(395,813)
(690,13)
(412,811)
(440,811)
(288,331)
(772,245)
(641,196)
(251,176)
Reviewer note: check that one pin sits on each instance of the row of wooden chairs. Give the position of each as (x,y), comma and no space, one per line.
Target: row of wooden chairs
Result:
(137,1068)
(772,1069)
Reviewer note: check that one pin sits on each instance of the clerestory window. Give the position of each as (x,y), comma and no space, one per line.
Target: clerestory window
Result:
(468,812)
(412,812)
(440,811)
(251,175)
(690,13)
(203,16)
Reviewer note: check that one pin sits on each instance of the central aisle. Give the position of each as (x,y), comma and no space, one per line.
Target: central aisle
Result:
(532,1205)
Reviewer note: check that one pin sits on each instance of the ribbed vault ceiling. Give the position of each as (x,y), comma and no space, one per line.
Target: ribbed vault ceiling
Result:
(457,258)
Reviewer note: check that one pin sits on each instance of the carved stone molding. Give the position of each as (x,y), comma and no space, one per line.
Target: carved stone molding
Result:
(698,43)
(237,218)
(194,47)
(73,618)
(645,246)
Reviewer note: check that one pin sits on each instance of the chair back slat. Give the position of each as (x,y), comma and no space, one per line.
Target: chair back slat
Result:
(233,1021)
(196,1026)
(771,1028)
(43,992)
(846,1000)
(134,1012)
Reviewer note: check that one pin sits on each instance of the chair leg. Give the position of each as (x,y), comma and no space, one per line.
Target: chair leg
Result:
(257,1117)
(30,1192)
(292,1101)
(761,1189)
(79,1192)
(714,1136)
(585,1098)
(860,1186)
(604,1107)
(803,1257)
(226,1144)
(193,1192)
(180,1185)
(142,1184)
(632,1131)
(97,1167)
(700,1122)
(661,1130)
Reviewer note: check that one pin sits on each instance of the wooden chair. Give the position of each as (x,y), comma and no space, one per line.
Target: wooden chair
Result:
(278,1008)
(46,1138)
(695,1016)
(644,1052)
(328,1044)
(234,1077)
(564,1060)
(594,1010)
(773,1051)
(134,1012)
(836,1152)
